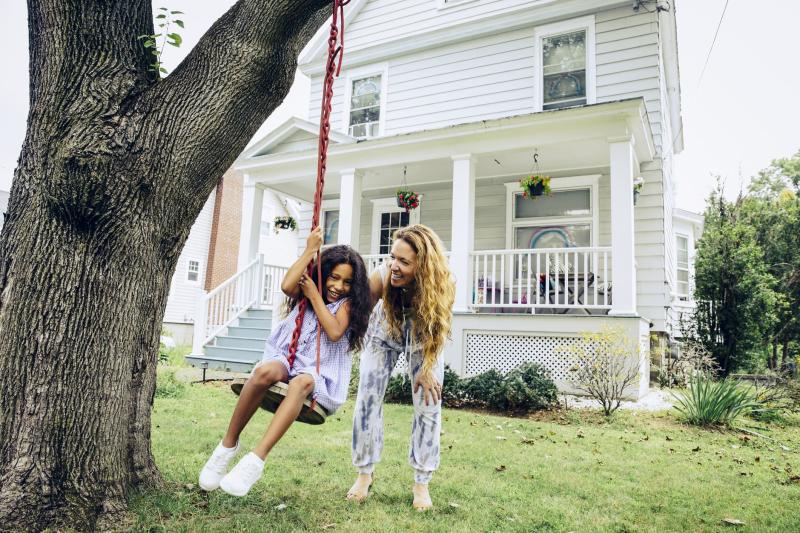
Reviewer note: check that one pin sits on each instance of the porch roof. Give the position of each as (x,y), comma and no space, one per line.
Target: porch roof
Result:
(567,139)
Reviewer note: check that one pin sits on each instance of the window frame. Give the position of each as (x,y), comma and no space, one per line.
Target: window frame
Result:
(189,271)
(683,296)
(591,182)
(387,205)
(356,74)
(328,205)
(586,23)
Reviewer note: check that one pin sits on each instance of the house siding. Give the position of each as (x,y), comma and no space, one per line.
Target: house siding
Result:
(183,294)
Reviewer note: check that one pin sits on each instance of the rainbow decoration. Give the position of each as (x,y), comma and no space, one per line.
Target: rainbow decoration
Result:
(557,232)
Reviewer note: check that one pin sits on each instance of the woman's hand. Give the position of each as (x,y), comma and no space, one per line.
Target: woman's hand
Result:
(314,241)
(430,387)
(308,287)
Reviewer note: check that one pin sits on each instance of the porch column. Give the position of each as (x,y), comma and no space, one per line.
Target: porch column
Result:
(462,241)
(622,229)
(252,207)
(350,207)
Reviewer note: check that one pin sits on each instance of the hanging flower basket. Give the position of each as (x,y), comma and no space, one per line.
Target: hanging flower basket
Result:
(407,199)
(535,185)
(638,183)
(285,223)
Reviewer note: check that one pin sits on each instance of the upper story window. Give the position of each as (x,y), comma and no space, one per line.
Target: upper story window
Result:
(564,69)
(365,107)
(682,267)
(566,58)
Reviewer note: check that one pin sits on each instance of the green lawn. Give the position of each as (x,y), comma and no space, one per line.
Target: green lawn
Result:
(568,471)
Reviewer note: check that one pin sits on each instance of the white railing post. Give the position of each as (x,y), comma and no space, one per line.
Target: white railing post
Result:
(260,281)
(200,321)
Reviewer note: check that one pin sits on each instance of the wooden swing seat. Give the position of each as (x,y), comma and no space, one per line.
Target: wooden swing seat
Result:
(275,395)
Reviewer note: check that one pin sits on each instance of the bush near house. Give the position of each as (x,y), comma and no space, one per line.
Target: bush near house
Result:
(526,388)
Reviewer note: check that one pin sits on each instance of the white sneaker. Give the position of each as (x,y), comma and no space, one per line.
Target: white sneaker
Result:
(216,466)
(243,476)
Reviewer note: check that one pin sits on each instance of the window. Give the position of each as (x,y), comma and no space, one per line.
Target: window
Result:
(193,271)
(567,219)
(386,219)
(330,226)
(682,252)
(365,107)
(566,55)
(266,296)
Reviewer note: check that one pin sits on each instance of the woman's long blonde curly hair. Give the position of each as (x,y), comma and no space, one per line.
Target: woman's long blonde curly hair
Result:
(434,293)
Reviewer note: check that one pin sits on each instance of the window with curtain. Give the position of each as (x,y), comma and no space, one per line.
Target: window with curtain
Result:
(564,70)
(365,107)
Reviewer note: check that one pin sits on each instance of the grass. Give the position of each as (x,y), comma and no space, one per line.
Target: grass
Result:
(560,471)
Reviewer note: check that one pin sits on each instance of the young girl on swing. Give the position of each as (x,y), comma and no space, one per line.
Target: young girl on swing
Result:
(342,310)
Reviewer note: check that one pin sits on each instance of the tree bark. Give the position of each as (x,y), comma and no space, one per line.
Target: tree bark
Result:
(115,167)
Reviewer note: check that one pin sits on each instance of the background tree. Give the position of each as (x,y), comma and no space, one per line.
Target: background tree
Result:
(733,287)
(115,167)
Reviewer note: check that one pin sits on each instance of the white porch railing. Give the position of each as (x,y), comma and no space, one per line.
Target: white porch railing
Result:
(554,278)
(254,286)
(373,261)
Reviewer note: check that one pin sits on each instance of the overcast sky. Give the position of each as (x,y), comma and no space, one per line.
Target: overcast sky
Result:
(737,118)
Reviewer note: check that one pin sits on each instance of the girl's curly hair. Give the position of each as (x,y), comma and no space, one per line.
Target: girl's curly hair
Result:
(360,299)
(434,293)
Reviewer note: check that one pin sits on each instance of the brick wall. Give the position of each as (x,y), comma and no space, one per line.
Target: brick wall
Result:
(223,250)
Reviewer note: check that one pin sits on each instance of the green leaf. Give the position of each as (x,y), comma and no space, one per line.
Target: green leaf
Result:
(179,23)
(176,38)
(162,69)
(163,9)
(177,12)
(149,44)
(161,16)
(143,37)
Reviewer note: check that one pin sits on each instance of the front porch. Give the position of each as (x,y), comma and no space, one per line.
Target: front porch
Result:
(527,268)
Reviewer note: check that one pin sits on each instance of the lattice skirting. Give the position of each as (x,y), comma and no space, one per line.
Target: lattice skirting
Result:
(504,351)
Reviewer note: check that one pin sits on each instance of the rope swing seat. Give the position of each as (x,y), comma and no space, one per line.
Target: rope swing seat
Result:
(311,413)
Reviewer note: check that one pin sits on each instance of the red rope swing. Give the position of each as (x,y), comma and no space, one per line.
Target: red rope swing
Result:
(333,68)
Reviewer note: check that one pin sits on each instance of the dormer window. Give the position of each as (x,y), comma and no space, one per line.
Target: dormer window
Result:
(365,107)
(566,59)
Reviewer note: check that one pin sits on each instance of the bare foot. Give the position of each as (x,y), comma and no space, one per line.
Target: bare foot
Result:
(422,498)
(360,489)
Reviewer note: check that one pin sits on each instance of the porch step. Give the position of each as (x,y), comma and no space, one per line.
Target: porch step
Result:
(255,322)
(258,313)
(228,341)
(249,332)
(218,363)
(237,355)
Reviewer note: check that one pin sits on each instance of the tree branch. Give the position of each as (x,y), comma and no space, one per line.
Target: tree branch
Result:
(222,92)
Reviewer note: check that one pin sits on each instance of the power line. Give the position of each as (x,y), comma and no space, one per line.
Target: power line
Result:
(719,24)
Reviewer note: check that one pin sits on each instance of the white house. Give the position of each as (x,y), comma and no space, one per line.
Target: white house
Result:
(210,255)
(460,99)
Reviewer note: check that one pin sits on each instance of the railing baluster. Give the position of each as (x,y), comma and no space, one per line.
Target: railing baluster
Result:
(528,281)
(575,286)
(494,274)
(605,278)
(585,276)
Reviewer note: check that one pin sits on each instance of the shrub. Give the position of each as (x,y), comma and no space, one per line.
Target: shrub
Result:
(529,388)
(679,367)
(168,386)
(526,388)
(708,402)
(604,365)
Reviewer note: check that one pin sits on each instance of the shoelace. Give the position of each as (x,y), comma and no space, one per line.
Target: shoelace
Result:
(249,471)
(218,462)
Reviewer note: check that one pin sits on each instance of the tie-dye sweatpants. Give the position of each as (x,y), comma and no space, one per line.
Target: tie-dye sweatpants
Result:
(378,359)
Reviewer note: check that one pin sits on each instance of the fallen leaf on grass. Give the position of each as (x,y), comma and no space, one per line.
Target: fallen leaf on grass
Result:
(500,437)
(669,438)
(500,468)
(189,486)
(281,507)
(792,479)
(696,449)
(454,505)
(328,526)
(732,522)
(526,440)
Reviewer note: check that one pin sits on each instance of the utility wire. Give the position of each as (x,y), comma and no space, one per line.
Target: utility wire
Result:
(719,25)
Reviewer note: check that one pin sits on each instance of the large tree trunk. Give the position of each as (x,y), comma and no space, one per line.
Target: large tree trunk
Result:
(115,167)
